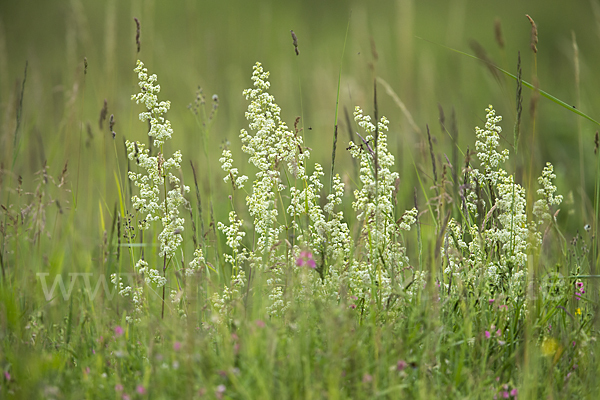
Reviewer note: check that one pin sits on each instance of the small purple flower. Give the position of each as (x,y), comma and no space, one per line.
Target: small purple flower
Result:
(514,392)
(352,306)
(140,389)
(177,346)
(505,394)
(220,390)
(118,330)
(580,290)
(491,301)
(367,378)
(401,365)
(7,375)
(488,334)
(498,333)
(306,260)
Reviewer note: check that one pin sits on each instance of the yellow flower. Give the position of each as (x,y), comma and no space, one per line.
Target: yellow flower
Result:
(549,346)
(578,311)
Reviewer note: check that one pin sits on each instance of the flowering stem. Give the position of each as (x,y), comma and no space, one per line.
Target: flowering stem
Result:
(162,314)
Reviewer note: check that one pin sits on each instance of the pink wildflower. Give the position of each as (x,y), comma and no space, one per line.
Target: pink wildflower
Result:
(219,392)
(306,260)
(177,346)
(118,330)
(488,334)
(140,389)
(401,365)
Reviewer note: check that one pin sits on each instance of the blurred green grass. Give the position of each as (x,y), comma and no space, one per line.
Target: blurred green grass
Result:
(214,46)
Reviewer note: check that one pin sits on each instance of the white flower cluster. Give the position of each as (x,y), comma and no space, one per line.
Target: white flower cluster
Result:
(158,172)
(150,275)
(136,294)
(374,199)
(337,231)
(375,208)
(271,145)
(157,169)
(225,303)
(148,202)
(234,239)
(486,144)
(500,245)
(232,173)
(278,305)
(512,232)
(322,240)
(408,219)
(160,128)
(541,208)
(176,300)
(197,262)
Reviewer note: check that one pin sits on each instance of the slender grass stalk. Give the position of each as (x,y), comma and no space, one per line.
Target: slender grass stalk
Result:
(419,238)
(519,104)
(16,147)
(204,128)
(596,229)
(337,105)
(545,94)
(351,139)
(85,66)
(198,202)
(533,108)
(579,127)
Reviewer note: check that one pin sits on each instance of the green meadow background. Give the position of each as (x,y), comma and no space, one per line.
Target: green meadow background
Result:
(215,44)
(60,60)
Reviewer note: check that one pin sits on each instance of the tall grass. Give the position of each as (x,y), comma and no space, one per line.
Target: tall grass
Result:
(479,299)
